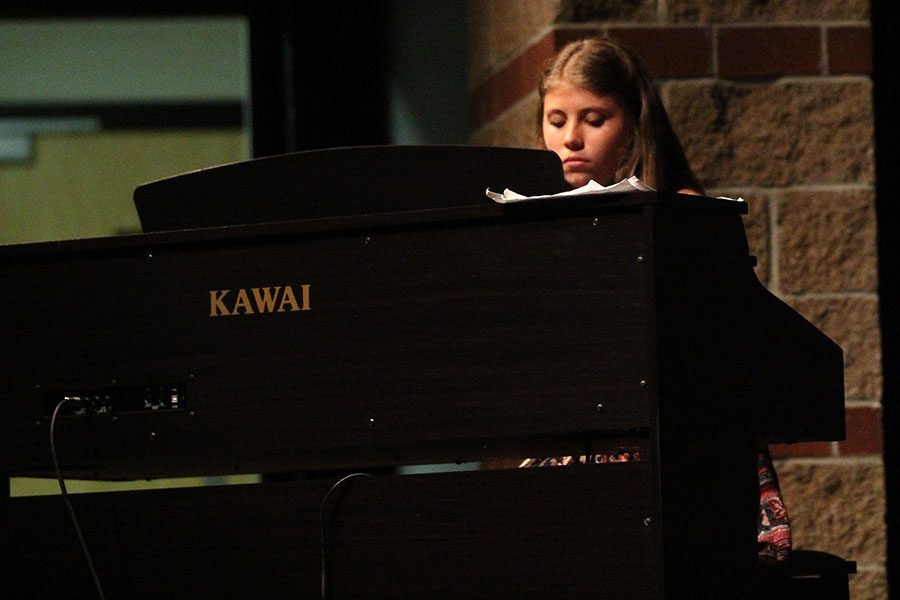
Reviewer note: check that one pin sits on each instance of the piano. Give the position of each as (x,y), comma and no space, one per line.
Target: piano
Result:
(323,318)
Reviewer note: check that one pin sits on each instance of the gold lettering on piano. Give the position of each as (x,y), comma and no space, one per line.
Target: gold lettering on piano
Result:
(257,300)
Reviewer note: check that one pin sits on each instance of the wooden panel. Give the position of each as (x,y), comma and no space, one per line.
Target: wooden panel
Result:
(755,363)
(455,335)
(640,323)
(344,181)
(569,532)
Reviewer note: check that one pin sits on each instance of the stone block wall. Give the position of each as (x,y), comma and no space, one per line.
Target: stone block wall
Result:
(773,102)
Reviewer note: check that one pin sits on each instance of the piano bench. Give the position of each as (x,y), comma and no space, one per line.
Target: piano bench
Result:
(809,574)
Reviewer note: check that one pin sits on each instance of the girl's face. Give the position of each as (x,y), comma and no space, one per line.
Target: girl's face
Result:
(587,131)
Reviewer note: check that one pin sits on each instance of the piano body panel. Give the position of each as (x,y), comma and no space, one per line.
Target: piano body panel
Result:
(456,335)
(463,333)
(734,367)
(579,532)
(758,365)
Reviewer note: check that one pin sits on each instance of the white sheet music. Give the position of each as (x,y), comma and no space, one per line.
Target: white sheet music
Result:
(632,184)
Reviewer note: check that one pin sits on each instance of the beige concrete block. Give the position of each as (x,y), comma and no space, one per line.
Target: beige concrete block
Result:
(508,29)
(836,508)
(539,14)
(514,128)
(500,29)
(828,242)
(775,133)
(869,585)
(585,11)
(853,324)
(772,11)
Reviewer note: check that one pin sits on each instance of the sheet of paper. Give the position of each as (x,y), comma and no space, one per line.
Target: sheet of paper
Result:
(632,184)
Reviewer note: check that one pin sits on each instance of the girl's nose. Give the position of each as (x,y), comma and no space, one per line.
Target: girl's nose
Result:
(573,139)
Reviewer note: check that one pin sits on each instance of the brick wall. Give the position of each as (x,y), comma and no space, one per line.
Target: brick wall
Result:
(773,102)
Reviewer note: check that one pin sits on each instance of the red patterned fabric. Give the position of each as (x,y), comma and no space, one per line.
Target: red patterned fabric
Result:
(620,455)
(774,526)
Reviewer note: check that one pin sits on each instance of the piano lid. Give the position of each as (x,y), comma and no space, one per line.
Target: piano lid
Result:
(343,181)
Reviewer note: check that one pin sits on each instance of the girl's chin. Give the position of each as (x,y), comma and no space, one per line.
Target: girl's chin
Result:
(577,180)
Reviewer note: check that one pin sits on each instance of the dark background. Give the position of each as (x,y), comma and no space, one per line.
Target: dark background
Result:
(336,53)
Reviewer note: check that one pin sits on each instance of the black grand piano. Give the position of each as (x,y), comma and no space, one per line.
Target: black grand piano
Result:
(324,318)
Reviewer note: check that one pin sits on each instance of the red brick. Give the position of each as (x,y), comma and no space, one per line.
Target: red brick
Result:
(864,434)
(509,85)
(769,51)
(849,50)
(670,51)
(800,449)
(563,35)
(667,52)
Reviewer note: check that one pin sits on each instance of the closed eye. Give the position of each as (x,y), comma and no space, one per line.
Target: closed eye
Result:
(594,119)
(556,120)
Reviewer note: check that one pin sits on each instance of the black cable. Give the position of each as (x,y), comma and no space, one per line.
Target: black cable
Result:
(65,497)
(326,523)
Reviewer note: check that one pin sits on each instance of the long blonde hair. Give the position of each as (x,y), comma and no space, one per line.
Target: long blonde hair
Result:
(609,69)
